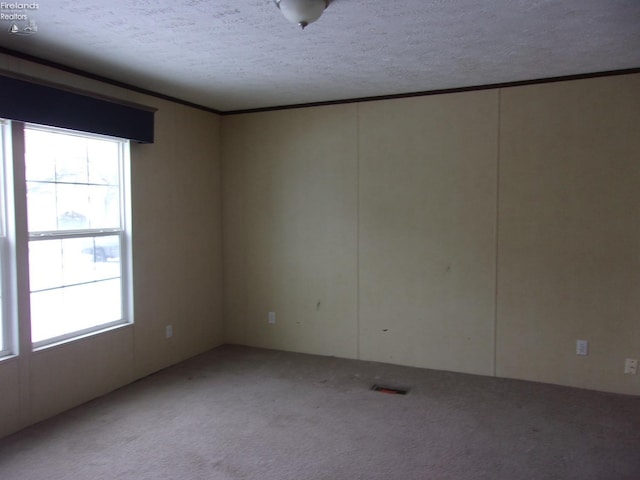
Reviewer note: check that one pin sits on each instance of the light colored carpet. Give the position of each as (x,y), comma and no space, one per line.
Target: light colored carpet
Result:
(244,413)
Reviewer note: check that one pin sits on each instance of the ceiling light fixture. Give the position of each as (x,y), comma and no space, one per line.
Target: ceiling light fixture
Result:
(302,12)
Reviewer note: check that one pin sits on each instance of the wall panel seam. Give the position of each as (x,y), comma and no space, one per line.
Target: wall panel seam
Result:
(358,140)
(497,235)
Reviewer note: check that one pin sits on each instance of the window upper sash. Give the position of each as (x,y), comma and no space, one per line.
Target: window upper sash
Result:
(34,102)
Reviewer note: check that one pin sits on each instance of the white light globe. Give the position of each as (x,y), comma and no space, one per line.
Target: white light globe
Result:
(302,12)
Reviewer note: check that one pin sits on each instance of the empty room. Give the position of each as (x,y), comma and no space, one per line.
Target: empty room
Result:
(320,239)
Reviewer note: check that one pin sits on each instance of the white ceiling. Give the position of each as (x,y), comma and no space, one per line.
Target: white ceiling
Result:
(242,54)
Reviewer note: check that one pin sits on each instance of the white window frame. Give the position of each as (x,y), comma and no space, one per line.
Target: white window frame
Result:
(124,234)
(8,320)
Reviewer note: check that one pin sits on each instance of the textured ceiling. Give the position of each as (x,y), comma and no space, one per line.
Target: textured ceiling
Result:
(241,54)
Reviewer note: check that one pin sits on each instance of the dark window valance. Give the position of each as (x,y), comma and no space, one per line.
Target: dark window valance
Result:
(44,104)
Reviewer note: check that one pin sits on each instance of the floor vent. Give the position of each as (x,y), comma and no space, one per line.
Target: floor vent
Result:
(390,390)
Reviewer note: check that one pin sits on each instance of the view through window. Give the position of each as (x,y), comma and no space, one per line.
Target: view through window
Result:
(77,232)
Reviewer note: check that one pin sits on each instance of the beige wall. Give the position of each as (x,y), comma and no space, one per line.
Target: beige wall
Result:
(290,233)
(569,261)
(10,410)
(480,232)
(427,225)
(177,238)
(177,268)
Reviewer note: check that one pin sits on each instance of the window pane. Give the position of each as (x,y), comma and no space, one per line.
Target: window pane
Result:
(38,162)
(70,309)
(70,169)
(55,157)
(105,252)
(103,163)
(73,182)
(57,263)
(45,264)
(72,207)
(41,206)
(104,204)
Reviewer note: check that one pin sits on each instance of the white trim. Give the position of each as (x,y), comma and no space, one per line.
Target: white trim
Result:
(7,316)
(65,234)
(126,244)
(20,237)
(85,332)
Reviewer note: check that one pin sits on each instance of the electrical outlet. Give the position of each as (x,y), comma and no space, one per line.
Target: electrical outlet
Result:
(168,331)
(272,317)
(582,347)
(631,366)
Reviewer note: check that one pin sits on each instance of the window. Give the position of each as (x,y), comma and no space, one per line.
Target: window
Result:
(6,323)
(65,256)
(77,237)
(78,234)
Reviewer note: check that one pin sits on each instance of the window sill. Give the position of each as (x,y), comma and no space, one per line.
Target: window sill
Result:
(85,336)
(8,357)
